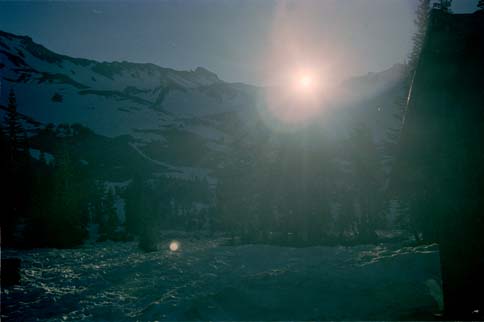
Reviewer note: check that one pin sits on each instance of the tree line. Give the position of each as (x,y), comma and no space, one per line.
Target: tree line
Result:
(57,201)
(47,204)
(300,188)
(295,188)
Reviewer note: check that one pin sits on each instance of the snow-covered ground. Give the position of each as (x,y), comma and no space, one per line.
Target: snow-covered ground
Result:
(205,280)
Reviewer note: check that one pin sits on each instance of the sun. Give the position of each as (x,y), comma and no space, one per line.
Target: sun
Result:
(306,81)
(299,99)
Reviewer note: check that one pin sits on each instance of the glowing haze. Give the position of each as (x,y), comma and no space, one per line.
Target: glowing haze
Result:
(299,63)
(237,39)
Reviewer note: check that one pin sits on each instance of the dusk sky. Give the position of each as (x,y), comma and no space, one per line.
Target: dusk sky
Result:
(242,41)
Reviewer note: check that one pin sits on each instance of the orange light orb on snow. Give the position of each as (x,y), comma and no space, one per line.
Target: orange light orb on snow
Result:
(174,246)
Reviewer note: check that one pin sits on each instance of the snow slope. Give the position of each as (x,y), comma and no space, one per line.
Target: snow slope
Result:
(119,98)
(110,98)
(166,122)
(205,280)
(146,101)
(153,105)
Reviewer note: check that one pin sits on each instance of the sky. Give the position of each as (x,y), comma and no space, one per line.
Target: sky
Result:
(253,41)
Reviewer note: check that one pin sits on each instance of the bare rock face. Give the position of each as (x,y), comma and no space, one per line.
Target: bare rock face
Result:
(10,272)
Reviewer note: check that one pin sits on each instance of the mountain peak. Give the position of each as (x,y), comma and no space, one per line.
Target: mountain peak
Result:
(385,78)
(25,52)
(10,36)
(203,72)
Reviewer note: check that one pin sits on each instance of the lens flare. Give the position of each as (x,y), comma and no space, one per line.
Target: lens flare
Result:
(299,101)
(299,67)
(306,82)
(174,246)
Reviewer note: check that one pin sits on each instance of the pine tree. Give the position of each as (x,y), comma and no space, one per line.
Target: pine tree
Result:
(392,135)
(445,5)
(17,178)
(13,128)
(367,180)
(109,221)
(150,222)
(409,211)
(96,202)
(421,21)
(234,195)
(345,223)
(38,226)
(66,221)
(16,135)
(134,205)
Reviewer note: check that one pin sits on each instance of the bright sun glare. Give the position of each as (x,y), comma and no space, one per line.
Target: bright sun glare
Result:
(300,100)
(306,82)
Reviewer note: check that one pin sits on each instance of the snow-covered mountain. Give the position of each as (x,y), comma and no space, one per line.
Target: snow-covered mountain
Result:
(175,122)
(111,98)
(376,99)
(160,109)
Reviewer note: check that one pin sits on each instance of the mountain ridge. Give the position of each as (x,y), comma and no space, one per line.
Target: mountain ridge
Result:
(178,119)
(103,68)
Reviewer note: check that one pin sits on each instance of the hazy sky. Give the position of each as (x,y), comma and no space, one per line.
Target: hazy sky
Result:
(240,40)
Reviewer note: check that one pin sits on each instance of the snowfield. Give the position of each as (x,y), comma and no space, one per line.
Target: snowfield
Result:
(205,280)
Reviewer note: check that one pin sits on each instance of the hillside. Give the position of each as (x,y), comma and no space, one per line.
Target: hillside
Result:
(158,120)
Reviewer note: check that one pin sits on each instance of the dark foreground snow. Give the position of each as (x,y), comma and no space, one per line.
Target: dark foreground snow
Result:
(204,280)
